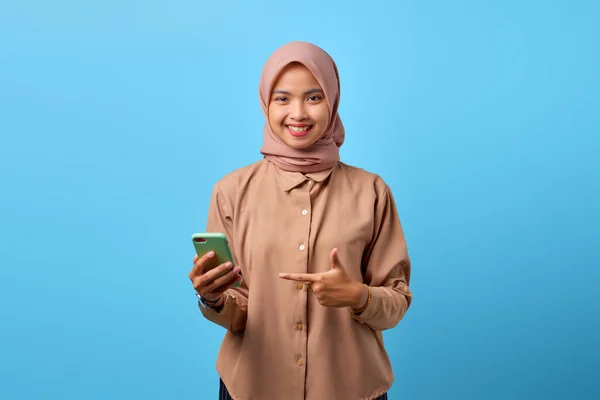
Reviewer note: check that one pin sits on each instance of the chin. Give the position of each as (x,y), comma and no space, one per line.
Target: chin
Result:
(299,143)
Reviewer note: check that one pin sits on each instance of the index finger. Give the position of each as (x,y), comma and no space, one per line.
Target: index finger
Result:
(199,263)
(300,277)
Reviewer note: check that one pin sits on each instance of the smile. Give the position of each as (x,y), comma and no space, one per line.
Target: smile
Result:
(298,131)
(299,128)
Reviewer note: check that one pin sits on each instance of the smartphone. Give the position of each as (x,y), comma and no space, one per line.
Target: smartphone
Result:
(217,242)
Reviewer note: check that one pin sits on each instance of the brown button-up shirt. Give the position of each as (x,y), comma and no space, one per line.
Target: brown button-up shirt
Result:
(280,342)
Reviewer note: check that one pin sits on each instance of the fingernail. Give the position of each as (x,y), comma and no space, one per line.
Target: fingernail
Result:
(228,264)
(281,275)
(211,253)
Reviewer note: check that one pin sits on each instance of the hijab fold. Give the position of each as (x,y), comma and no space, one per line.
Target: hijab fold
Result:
(324,153)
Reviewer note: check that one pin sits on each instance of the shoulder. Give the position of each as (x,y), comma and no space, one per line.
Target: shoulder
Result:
(229,184)
(361,179)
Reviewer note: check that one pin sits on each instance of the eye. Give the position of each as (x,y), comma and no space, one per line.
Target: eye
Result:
(280,99)
(315,98)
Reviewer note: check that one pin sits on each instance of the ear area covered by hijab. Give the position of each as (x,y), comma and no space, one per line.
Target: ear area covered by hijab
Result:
(323,154)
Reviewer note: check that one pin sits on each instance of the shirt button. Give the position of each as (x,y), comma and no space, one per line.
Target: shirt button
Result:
(301,247)
(299,327)
(300,362)
(299,286)
(310,183)
(304,212)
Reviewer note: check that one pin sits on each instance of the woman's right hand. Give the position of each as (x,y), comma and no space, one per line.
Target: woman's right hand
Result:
(212,284)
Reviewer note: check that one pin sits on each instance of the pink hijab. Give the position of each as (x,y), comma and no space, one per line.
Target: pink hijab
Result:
(324,153)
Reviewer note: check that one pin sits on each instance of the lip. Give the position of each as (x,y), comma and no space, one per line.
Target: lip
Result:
(298,134)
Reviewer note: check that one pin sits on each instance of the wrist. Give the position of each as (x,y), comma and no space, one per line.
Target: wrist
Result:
(208,300)
(361,297)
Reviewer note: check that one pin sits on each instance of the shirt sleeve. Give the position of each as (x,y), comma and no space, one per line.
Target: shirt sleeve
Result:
(233,313)
(387,269)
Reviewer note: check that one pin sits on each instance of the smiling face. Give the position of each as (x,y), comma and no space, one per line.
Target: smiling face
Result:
(298,110)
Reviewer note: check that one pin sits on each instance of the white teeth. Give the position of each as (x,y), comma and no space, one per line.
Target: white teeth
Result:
(298,129)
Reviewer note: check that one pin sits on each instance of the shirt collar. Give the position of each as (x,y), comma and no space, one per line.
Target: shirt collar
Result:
(290,180)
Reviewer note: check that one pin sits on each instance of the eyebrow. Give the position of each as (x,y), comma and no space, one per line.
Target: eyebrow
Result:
(311,91)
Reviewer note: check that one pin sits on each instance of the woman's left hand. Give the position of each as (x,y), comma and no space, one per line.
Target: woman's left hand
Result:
(333,288)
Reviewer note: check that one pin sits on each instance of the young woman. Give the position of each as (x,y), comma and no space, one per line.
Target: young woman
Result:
(319,245)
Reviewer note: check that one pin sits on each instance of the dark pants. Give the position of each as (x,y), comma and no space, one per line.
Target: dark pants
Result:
(224,394)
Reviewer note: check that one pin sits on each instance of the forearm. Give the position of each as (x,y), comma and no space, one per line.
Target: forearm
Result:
(387,307)
(231,312)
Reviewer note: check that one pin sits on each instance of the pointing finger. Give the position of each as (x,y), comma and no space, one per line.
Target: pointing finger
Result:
(301,277)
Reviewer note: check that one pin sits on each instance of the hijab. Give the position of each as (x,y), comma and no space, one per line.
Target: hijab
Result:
(324,153)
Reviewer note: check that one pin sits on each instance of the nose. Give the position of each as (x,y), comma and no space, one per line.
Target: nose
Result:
(298,112)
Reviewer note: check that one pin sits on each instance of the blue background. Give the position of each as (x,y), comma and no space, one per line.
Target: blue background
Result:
(117,117)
